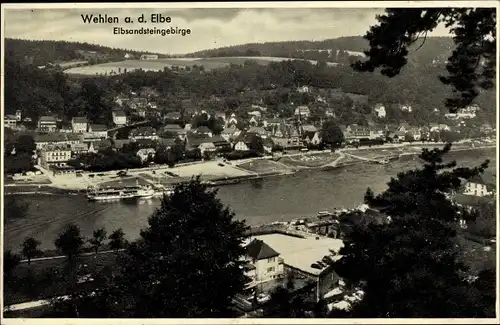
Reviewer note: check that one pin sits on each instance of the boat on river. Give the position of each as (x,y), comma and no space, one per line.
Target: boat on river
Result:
(119,193)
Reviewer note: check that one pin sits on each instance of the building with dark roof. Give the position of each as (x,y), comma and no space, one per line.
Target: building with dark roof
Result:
(263,263)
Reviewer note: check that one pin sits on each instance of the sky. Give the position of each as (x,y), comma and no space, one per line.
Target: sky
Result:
(210,28)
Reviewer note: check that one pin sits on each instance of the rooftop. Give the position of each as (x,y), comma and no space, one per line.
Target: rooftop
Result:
(259,250)
(301,253)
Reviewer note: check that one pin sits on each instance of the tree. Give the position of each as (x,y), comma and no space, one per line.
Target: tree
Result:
(98,238)
(472,63)
(25,144)
(283,304)
(10,261)
(30,248)
(417,247)
(117,240)
(191,244)
(331,134)
(70,242)
(14,207)
(256,144)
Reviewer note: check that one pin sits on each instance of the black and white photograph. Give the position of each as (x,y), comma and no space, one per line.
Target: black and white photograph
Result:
(250,162)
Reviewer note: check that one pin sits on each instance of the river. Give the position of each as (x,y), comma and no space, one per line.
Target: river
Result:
(258,201)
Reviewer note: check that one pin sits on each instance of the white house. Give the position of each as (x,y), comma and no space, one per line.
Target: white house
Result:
(264,263)
(479,185)
(119,117)
(227,133)
(10,121)
(79,124)
(98,130)
(380,110)
(232,121)
(241,145)
(302,111)
(143,154)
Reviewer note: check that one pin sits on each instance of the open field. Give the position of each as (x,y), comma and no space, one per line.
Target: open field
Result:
(158,65)
(310,161)
(263,166)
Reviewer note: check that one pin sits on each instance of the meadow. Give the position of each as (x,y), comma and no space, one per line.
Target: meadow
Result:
(158,65)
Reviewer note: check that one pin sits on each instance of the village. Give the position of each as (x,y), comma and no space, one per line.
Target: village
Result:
(204,135)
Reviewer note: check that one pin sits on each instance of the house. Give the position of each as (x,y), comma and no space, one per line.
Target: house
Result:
(264,263)
(168,143)
(10,121)
(295,137)
(260,131)
(203,130)
(254,121)
(232,121)
(228,133)
(189,109)
(55,155)
(139,102)
(119,117)
(480,185)
(80,148)
(302,112)
(79,124)
(207,147)
(47,124)
(145,153)
(313,138)
(273,122)
(144,132)
(305,258)
(175,130)
(44,140)
(243,142)
(220,143)
(380,111)
(356,132)
(404,127)
(98,130)
(173,116)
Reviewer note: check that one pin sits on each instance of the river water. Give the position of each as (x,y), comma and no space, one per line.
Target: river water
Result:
(258,201)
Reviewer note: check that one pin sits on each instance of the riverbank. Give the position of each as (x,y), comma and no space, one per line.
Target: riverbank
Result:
(218,173)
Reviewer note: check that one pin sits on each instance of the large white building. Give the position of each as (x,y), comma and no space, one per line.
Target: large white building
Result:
(55,155)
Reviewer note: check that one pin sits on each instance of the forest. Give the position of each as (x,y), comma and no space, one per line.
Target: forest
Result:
(436,48)
(40,92)
(40,53)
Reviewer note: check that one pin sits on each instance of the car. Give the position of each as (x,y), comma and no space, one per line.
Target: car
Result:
(101,174)
(221,164)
